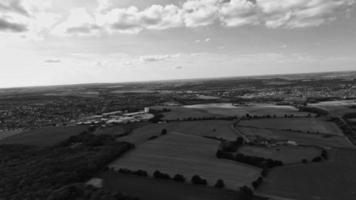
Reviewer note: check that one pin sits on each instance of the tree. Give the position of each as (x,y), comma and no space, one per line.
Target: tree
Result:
(179,178)
(198,181)
(164,131)
(219,184)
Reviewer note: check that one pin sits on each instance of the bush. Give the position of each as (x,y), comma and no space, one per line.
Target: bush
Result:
(198,181)
(159,175)
(219,184)
(179,178)
(245,193)
(164,131)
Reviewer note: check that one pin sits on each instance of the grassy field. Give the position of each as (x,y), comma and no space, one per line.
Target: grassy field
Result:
(300,124)
(286,154)
(216,128)
(187,155)
(335,107)
(300,138)
(329,180)
(227,109)
(46,136)
(149,188)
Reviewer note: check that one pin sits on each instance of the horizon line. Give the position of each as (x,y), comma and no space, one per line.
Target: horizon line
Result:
(173,80)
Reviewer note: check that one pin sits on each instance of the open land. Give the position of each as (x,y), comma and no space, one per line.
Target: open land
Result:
(300,138)
(215,128)
(46,136)
(307,125)
(177,153)
(335,107)
(329,180)
(287,154)
(149,188)
(228,109)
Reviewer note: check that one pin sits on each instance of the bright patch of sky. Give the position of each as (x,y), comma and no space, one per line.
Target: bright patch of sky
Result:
(51,42)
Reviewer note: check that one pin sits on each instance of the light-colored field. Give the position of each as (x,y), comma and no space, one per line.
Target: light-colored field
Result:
(300,124)
(286,154)
(214,128)
(335,107)
(187,155)
(228,109)
(46,136)
(300,138)
(327,180)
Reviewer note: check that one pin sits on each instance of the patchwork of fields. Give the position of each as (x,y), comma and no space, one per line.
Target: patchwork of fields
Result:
(335,107)
(179,112)
(228,109)
(216,128)
(148,188)
(187,155)
(313,125)
(300,138)
(286,154)
(329,180)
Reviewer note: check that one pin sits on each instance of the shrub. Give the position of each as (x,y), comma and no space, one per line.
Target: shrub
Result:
(219,184)
(198,181)
(179,178)
(159,175)
(164,131)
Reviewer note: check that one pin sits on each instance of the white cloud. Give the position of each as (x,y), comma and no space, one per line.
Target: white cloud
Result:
(34,16)
(200,12)
(78,22)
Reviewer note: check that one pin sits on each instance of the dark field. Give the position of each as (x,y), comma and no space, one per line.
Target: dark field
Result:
(148,188)
(330,180)
(46,136)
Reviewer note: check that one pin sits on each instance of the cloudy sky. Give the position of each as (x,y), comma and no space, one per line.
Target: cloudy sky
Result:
(51,42)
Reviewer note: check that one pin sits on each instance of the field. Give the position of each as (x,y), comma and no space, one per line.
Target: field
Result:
(178,112)
(286,154)
(149,188)
(228,109)
(329,180)
(46,136)
(187,155)
(300,138)
(216,128)
(335,107)
(314,125)
(9,133)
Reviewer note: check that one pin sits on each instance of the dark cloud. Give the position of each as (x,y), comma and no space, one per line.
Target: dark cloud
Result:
(12,27)
(13,6)
(82,29)
(53,61)
(178,67)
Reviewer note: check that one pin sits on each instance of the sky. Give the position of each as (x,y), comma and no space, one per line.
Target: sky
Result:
(55,42)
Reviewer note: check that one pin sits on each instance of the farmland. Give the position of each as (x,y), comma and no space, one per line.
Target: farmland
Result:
(228,109)
(286,154)
(148,188)
(306,125)
(335,107)
(46,136)
(300,138)
(184,154)
(216,128)
(178,112)
(333,179)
